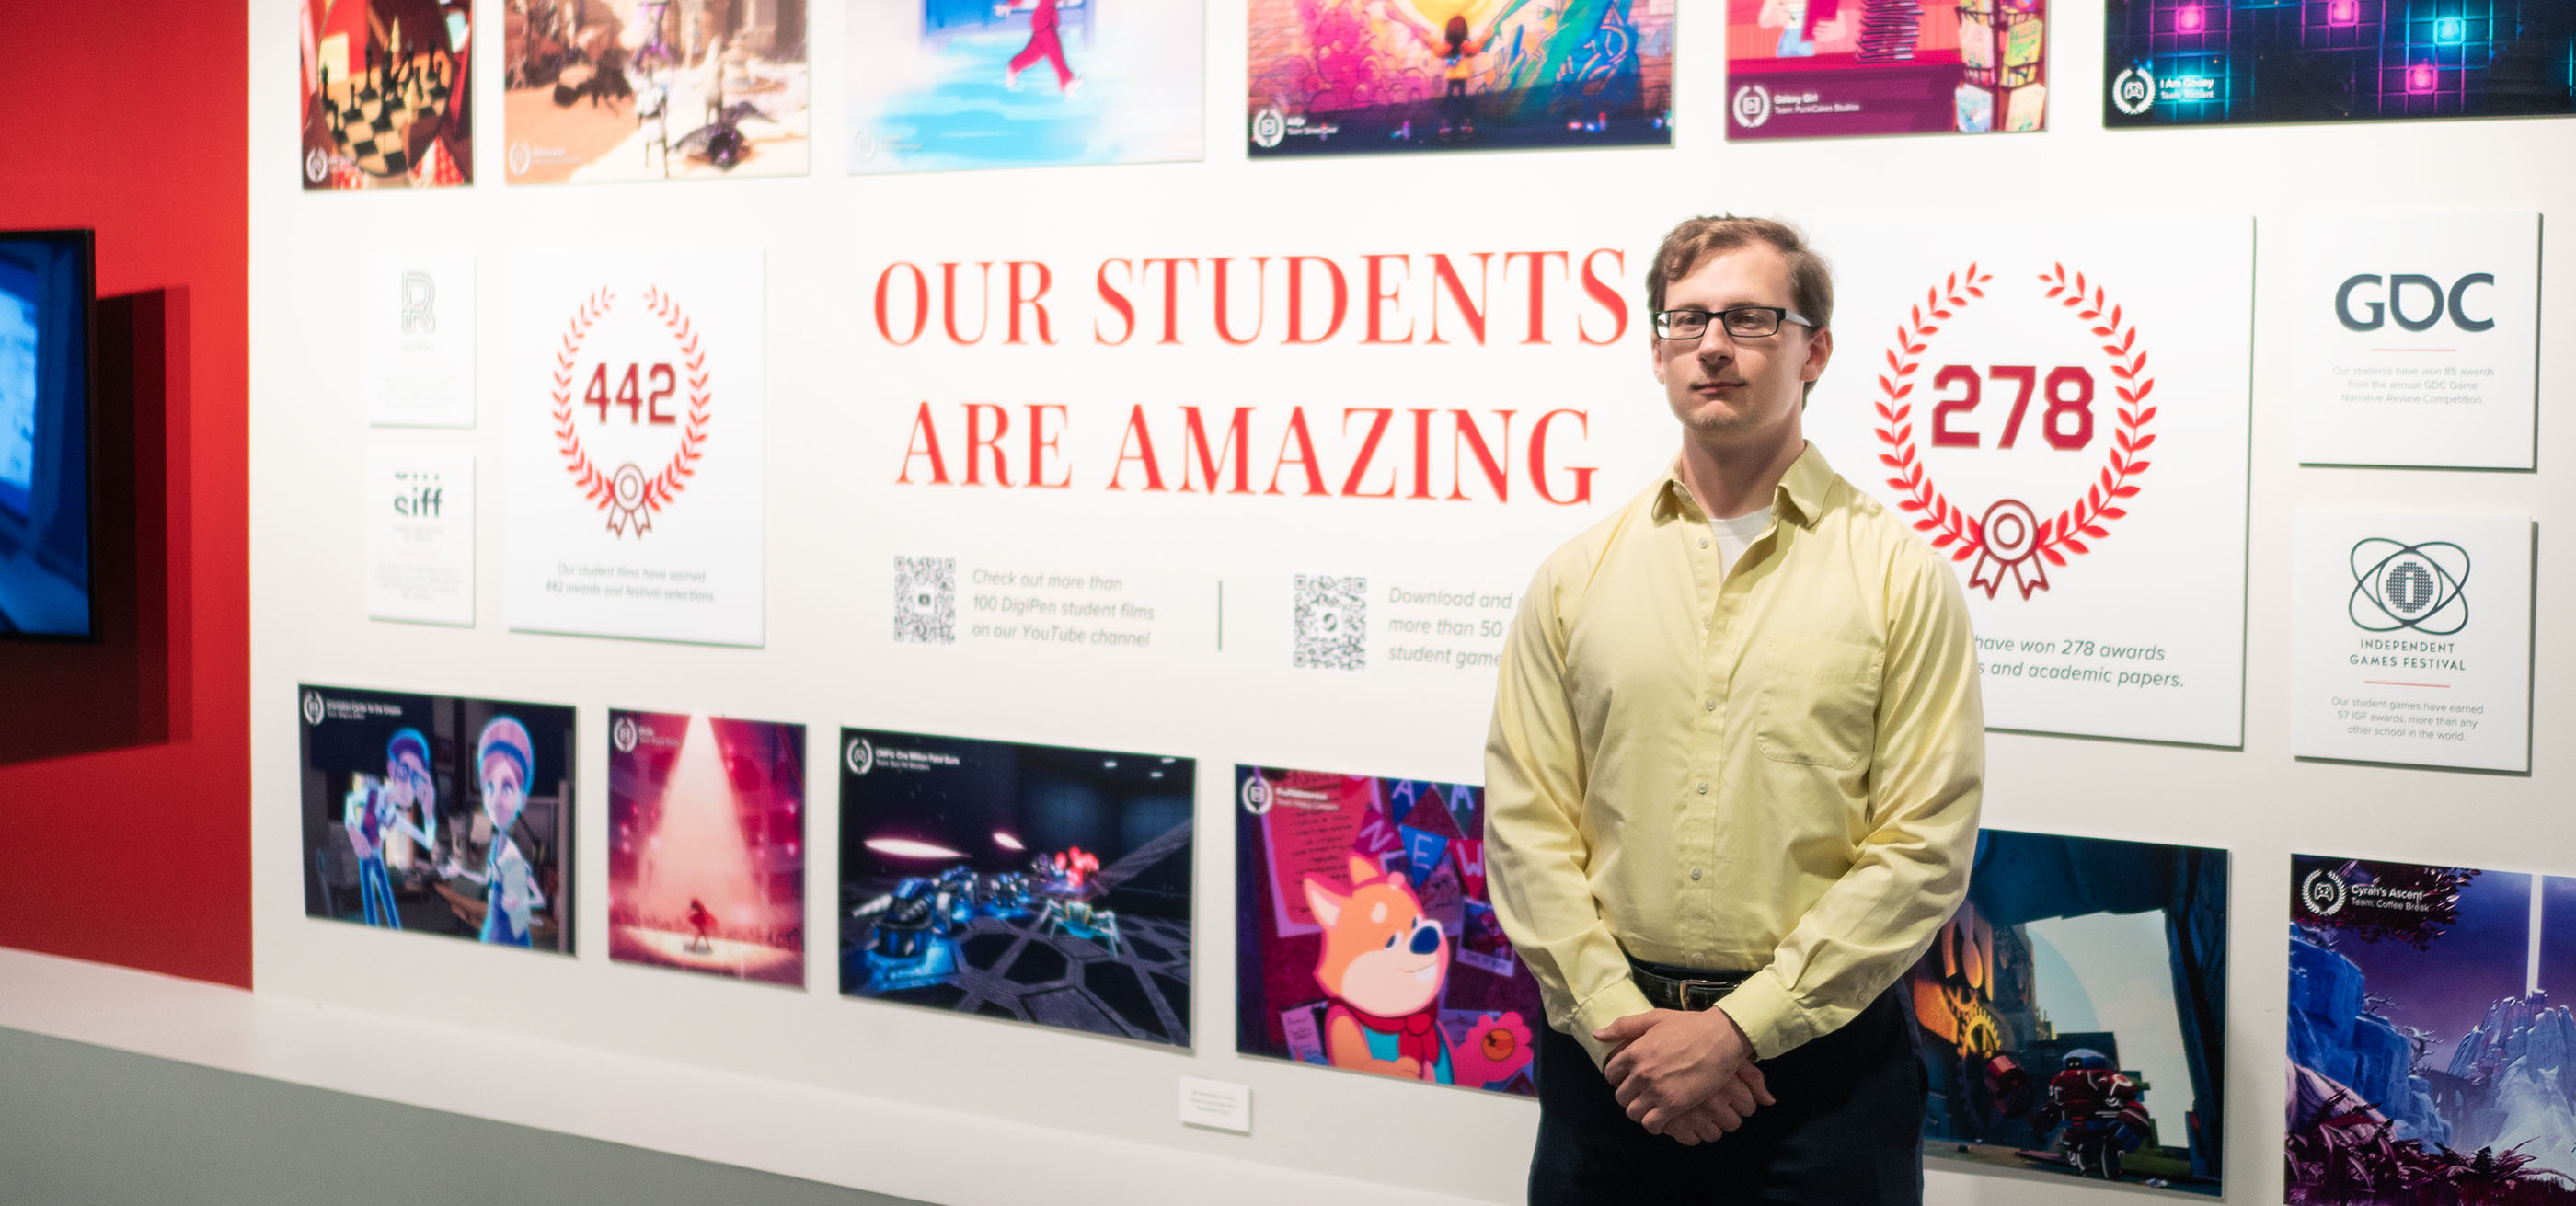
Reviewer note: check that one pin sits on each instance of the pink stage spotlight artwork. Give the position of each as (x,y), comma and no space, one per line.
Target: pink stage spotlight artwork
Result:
(706,845)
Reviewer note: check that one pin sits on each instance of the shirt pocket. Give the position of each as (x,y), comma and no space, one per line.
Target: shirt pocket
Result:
(1819,702)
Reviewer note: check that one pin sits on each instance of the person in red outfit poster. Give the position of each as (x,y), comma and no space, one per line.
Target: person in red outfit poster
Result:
(1043,44)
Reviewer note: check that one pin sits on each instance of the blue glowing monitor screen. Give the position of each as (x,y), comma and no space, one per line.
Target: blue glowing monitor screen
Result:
(45,539)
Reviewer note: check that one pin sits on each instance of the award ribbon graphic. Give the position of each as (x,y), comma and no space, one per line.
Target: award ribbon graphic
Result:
(2008,541)
(628,494)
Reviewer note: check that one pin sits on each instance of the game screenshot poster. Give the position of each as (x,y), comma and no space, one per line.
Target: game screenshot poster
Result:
(2207,62)
(939,85)
(706,845)
(1367,939)
(2429,1065)
(2072,1014)
(1821,68)
(1357,77)
(387,102)
(438,815)
(610,90)
(1033,883)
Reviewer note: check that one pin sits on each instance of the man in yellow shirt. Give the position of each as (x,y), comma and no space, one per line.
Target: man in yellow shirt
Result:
(1733,780)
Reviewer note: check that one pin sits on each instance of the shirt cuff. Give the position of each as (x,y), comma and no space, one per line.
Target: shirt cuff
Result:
(1772,1019)
(1620,1000)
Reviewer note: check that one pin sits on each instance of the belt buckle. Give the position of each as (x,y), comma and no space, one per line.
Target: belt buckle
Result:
(1692,991)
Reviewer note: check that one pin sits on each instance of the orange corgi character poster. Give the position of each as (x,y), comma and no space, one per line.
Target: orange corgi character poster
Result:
(1368,940)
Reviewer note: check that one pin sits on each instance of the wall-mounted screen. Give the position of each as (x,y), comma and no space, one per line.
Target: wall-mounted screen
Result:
(45,299)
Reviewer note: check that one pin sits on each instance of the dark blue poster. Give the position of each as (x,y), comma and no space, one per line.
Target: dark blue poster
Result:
(2211,62)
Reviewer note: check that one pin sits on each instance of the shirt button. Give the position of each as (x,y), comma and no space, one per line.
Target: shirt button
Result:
(1694,873)
(1703,789)
(1703,542)
(1711,705)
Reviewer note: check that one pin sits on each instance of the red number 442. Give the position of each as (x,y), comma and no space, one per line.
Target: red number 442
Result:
(644,408)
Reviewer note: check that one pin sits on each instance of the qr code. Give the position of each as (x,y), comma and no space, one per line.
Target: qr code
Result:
(1332,623)
(925,600)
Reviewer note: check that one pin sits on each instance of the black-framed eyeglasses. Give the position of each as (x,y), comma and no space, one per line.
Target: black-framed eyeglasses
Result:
(1740,322)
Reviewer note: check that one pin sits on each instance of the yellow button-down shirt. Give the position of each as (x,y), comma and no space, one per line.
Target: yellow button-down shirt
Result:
(1775,769)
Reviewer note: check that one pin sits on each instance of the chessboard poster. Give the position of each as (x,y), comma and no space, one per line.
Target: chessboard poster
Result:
(2073,1014)
(951,84)
(2211,62)
(2426,1049)
(1032,882)
(706,845)
(2412,638)
(1361,906)
(386,96)
(438,815)
(2418,339)
(1826,68)
(1367,77)
(634,399)
(624,90)
(2061,409)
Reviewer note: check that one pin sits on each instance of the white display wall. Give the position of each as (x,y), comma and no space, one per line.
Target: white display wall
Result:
(1216,679)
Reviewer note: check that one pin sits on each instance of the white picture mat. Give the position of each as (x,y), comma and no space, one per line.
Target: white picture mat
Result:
(646,521)
(417,305)
(420,535)
(2449,395)
(830,236)
(2139,633)
(2439,677)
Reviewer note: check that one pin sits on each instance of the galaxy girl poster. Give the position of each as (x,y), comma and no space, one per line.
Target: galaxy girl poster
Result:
(1368,77)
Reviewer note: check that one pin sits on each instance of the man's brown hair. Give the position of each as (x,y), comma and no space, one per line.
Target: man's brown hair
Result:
(1811,283)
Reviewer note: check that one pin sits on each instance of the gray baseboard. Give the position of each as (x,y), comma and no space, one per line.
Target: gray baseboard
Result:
(90,1126)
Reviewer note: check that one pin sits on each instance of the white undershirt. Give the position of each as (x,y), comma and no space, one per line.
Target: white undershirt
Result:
(1738,534)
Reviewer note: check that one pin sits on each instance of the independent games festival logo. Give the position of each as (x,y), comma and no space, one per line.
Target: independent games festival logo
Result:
(2398,586)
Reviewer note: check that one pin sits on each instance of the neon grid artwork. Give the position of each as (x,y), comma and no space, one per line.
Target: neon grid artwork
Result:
(2185,62)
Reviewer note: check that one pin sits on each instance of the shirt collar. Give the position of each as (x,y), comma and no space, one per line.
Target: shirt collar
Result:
(1799,498)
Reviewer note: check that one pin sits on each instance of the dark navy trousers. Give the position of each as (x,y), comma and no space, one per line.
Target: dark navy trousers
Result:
(1847,1132)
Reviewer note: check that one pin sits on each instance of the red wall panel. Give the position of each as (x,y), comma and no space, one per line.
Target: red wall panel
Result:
(130,118)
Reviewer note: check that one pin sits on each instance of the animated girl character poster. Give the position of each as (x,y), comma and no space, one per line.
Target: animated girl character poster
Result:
(611,90)
(938,85)
(438,815)
(2428,1062)
(2072,1014)
(1034,883)
(2208,62)
(1826,68)
(387,101)
(1359,77)
(706,845)
(1367,938)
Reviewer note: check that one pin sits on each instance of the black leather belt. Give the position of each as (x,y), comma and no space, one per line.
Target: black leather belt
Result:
(1684,988)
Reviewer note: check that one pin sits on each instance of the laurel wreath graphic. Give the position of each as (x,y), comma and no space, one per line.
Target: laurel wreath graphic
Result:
(659,490)
(1953,529)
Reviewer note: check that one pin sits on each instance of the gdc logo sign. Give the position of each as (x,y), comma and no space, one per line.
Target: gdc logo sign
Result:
(2435,302)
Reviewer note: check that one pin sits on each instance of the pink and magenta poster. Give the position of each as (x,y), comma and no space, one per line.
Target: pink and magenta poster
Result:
(1830,68)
